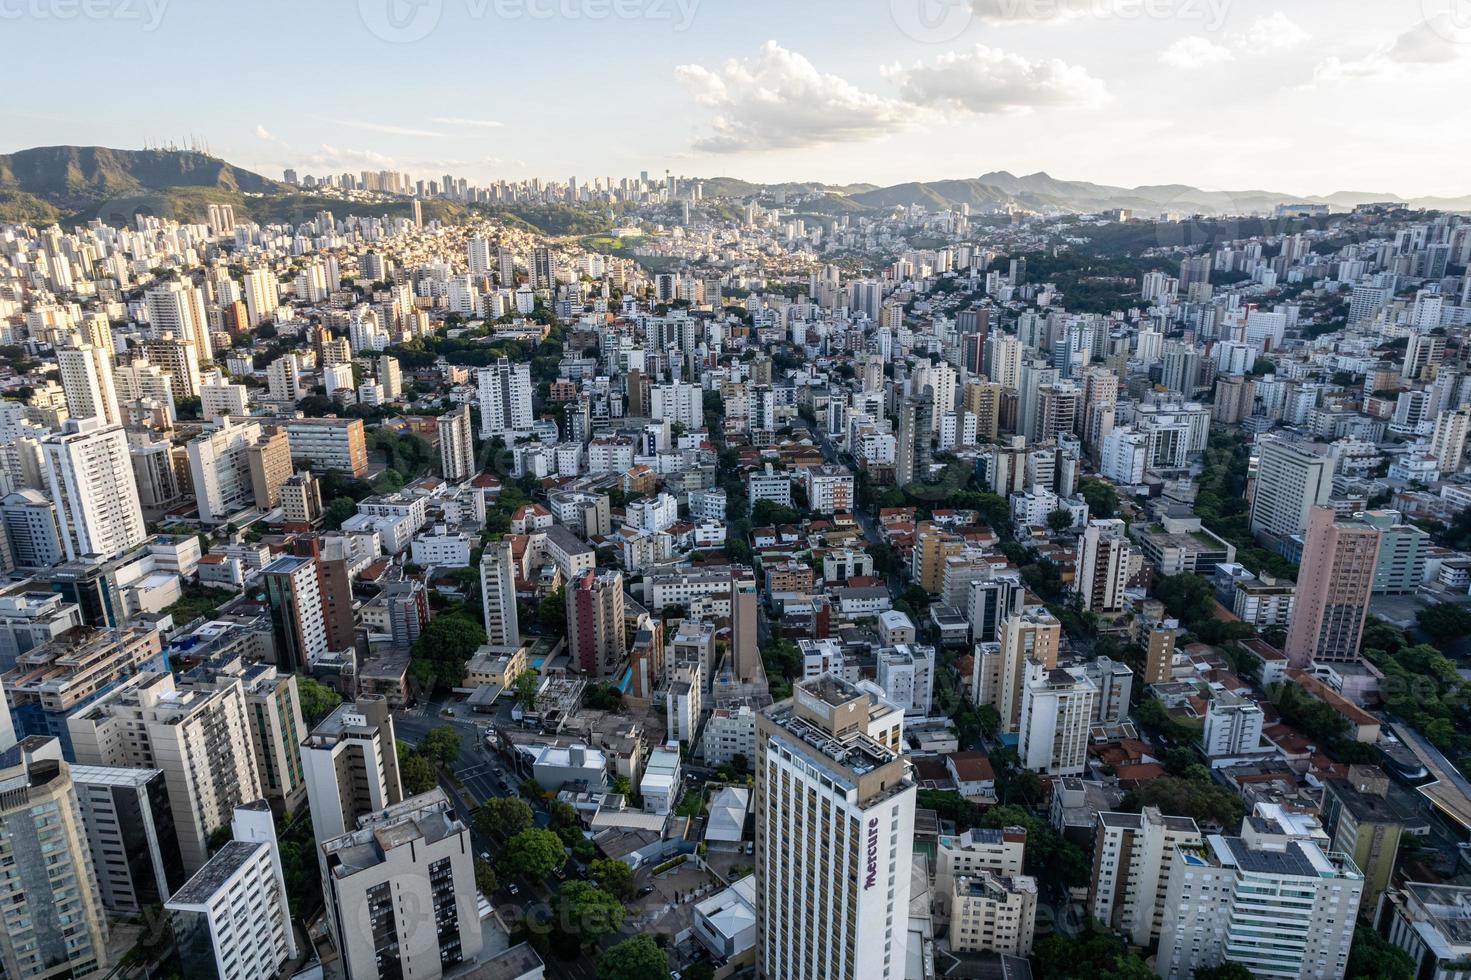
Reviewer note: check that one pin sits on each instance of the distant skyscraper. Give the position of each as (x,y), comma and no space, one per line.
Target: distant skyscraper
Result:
(1103,566)
(1292,478)
(1334,585)
(90,475)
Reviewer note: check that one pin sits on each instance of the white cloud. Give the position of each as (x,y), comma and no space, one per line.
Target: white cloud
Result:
(385,128)
(1275,32)
(1036,11)
(1429,43)
(1195,52)
(779,100)
(477,123)
(989,80)
(261,133)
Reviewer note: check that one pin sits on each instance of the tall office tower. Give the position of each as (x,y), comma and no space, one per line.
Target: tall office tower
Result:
(1035,375)
(130,832)
(914,438)
(505,400)
(498,595)
(1448,444)
(542,273)
(90,475)
(834,838)
(1027,634)
(745,652)
(199,737)
(283,377)
(1334,586)
(234,915)
(506,268)
(400,892)
(1159,658)
(1361,823)
(262,295)
(1057,710)
(1181,369)
(1133,859)
(938,382)
(296,612)
(178,309)
(1272,900)
(86,377)
(595,623)
(219,466)
(1292,478)
(477,253)
(456,445)
(1103,566)
(351,764)
(54,922)
(269,463)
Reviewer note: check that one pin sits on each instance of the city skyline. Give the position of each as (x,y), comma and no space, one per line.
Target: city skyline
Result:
(927,89)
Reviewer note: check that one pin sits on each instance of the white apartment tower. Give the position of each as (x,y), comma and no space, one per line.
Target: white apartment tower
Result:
(456,445)
(90,475)
(1057,710)
(1133,858)
(1271,900)
(350,762)
(1103,566)
(86,377)
(834,839)
(498,594)
(505,400)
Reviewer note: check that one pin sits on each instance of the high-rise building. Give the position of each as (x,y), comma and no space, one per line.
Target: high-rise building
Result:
(498,595)
(834,838)
(31,529)
(54,922)
(296,611)
(390,376)
(1273,900)
(283,377)
(175,308)
(86,377)
(542,272)
(269,461)
(456,445)
(1334,585)
(1292,478)
(233,918)
(400,891)
(1159,657)
(1057,712)
(351,764)
(595,633)
(90,474)
(1361,823)
(1133,858)
(130,830)
(505,400)
(993,914)
(262,295)
(1000,677)
(1448,442)
(1103,566)
(745,652)
(913,439)
(220,469)
(199,736)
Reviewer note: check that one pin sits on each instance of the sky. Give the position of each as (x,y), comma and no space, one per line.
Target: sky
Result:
(1293,96)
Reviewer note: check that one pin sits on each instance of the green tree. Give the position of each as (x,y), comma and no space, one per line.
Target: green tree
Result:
(503,817)
(449,640)
(1060,520)
(551,613)
(1226,971)
(484,877)
(441,745)
(1372,957)
(636,958)
(317,699)
(1103,500)
(534,853)
(1204,802)
(527,683)
(588,912)
(1445,622)
(415,772)
(338,511)
(613,877)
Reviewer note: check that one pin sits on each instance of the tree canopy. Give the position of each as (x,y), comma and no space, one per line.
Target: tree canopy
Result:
(636,958)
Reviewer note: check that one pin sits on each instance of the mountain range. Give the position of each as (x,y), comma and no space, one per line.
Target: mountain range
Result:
(73,184)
